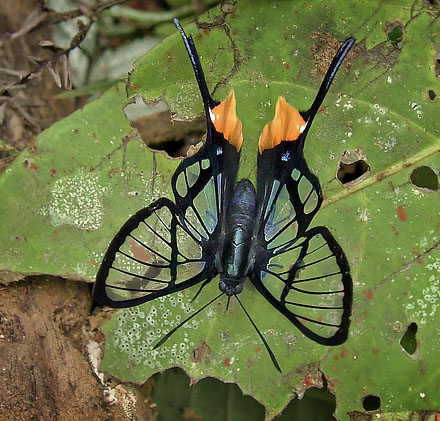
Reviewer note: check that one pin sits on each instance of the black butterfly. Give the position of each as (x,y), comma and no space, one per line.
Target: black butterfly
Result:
(217,226)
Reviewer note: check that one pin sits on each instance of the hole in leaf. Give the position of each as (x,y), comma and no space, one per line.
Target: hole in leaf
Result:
(437,60)
(396,34)
(409,341)
(425,178)
(371,402)
(432,95)
(353,171)
(316,404)
(159,131)
(395,31)
(176,399)
(352,168)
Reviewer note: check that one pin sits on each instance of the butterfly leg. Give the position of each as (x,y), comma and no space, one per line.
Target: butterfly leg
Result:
(206,282)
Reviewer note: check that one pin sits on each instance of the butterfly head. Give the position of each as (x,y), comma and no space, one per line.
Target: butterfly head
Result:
(231,286)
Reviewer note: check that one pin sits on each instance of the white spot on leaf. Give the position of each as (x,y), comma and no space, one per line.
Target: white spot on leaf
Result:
(76,201)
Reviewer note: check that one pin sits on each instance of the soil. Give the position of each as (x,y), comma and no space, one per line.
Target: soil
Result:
(48,327)
(44,368)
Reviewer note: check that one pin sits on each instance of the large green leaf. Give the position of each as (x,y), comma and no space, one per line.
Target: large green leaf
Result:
(64,198)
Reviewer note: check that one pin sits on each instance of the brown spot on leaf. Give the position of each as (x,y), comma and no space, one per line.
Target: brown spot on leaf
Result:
(380,176)
(199,353)
(401,213)
(309,381)
(189,414)
(368,294)
(227,362)
(139,252)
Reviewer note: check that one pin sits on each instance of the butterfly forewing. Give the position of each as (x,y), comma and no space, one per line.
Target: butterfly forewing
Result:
(155,253)
(196,194)
(288,194)
(203,182)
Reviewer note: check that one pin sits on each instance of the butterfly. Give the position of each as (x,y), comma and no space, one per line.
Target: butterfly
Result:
(218,226)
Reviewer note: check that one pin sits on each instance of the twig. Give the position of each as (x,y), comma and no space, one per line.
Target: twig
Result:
(38,19)
(51,17)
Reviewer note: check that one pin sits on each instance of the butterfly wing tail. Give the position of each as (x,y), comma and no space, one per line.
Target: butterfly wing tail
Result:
(326,83)
(208,102)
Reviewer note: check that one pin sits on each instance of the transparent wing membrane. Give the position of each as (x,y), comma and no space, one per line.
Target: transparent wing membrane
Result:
(288,207)
(311,285)
(198,193)
(155,253)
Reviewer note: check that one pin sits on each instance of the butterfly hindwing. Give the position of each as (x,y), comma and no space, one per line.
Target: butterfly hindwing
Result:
(154,254)
(309,282)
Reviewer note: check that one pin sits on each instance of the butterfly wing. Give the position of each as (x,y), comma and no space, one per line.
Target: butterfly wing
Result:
(203,183)
(154,254)
(310,283)
(168,246)
(302,272)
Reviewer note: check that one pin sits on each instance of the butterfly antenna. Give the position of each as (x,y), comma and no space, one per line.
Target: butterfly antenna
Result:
(271,354)
(197,67)
(167,336)
(227,304)
(326,83)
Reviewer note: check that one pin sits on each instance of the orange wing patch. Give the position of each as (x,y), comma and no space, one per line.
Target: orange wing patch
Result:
(225,120)
(287,125)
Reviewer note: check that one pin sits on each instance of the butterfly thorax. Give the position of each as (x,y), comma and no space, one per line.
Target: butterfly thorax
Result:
(234,259)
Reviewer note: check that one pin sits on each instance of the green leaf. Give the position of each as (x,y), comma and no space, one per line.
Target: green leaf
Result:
(64,199)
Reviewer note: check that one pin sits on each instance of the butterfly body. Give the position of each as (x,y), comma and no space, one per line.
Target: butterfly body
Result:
(236,257)
(218,227)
